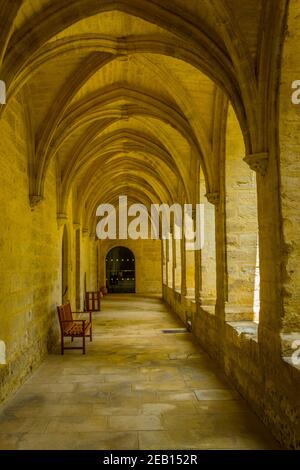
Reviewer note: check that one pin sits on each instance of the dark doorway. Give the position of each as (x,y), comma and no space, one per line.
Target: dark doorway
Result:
(120,270)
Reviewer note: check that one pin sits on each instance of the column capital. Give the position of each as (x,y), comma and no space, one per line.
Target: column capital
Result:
(34,200)
(213,197)
(61,218)
(258,162)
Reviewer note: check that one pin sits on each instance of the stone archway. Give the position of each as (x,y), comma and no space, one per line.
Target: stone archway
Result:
(120,270)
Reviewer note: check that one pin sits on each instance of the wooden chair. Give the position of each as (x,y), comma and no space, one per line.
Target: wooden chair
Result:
(73,328)
(93,301)
(103,289)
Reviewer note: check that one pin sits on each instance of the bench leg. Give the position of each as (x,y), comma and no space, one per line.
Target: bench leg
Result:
(83,343)
(91,334)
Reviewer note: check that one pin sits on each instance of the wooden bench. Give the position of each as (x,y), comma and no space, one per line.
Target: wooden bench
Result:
(73,328)
(93,301)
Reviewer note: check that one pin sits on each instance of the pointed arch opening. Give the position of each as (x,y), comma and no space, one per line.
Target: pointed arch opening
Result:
(120,270)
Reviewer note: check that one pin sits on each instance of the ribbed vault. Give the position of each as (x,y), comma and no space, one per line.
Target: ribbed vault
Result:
(132,94)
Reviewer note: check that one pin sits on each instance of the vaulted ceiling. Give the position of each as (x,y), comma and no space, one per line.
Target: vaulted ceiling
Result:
(130,96)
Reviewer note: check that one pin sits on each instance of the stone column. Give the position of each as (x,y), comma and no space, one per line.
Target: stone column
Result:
(102,265)
(177,250)
(174,261)
(190,273)
(170,262)
(207,266)
(241,227)
(167,262)
(164,262)
(183,266)
(270,320)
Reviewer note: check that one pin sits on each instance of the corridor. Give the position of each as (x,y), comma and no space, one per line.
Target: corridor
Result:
(138,387)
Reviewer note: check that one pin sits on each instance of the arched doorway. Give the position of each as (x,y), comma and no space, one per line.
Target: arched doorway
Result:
(120,270)
(65,263)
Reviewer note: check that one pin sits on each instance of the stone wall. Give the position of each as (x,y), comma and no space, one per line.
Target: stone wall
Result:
(289,140)
(30,258)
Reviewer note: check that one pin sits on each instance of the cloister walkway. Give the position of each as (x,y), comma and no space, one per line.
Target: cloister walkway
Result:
(137,388)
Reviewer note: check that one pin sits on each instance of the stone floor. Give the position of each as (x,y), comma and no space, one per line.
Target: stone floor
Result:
(136,388)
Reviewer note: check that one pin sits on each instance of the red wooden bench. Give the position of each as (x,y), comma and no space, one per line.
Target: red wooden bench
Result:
(93,301)
(73,328)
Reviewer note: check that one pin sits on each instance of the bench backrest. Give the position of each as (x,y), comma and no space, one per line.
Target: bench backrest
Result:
(65,316)
(92,301)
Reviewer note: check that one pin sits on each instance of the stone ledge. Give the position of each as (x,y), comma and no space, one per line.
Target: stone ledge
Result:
(288,343)
(209,309)
(238,313)
(289,361)
(190,299)
(247,328)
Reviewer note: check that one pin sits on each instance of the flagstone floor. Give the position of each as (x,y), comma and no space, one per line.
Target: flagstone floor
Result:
(136,388)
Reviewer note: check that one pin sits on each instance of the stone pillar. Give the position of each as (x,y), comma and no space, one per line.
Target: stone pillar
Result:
(207,288)
(241,226)
(78,286)
(190,273)
(164,261)
(169,262)
(270,265)
(220,234)
(197,264)
(190,260)
(174,261)
(102,265)
(177,251)
(183,266)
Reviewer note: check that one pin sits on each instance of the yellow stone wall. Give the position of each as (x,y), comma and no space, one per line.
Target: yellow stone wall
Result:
(30,254)
(30,258)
